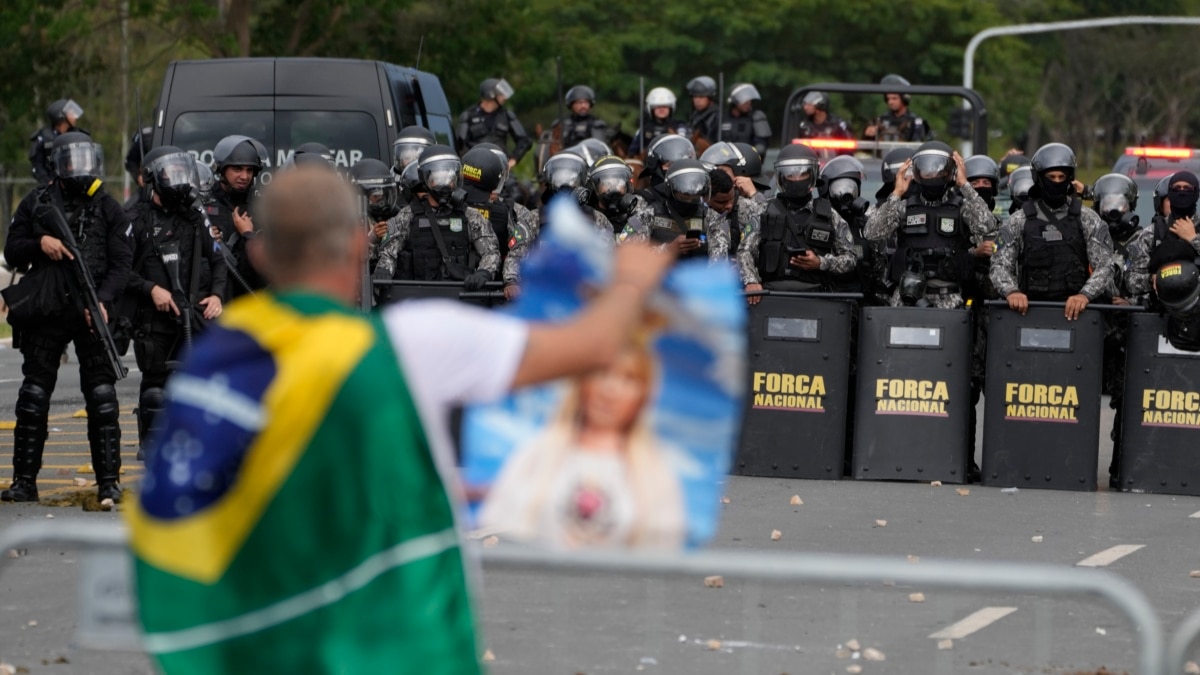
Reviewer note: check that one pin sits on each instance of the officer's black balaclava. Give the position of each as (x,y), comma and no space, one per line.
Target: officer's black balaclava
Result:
(1183,203)
(1054,194)
(988,194)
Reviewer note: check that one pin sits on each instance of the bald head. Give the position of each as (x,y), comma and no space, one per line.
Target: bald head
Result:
(309,226)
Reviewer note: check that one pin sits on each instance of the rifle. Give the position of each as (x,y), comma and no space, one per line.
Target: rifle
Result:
(53,219)
(169,252)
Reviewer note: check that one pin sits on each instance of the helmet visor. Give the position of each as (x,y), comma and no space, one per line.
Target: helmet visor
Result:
(72,110)
(1110,203)
(796,171)
(673,149)
(176,170)
(931,165)
(503,88)
(1018,185)
(441,174)
(611,183)
(79,159)
(406,152)
(689,186)
(562,176)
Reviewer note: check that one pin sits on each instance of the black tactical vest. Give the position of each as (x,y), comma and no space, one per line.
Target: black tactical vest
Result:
(500,214)
(429,263)
(577,129)
(86,220)
(784,231)
(738,129)
(678,225)
(483,127)
(863,275)
(933,240)
(1055,264)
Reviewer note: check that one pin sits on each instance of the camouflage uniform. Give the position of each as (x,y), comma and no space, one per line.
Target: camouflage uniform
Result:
(480,231)
(886,219)
(1006,265)
(525,232)
(716,229)
(1131,267)
(842,261)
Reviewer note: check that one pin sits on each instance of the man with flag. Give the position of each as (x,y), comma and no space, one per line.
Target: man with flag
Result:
(298,512)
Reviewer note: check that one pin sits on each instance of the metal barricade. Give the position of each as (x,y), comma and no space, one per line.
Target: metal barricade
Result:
(796,410)
(1161,411)
(1182,641)
(1042,398)
(914,394)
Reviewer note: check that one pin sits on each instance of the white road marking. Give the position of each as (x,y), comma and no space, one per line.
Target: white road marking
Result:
(1195,515)
(1109,556)
(976,622)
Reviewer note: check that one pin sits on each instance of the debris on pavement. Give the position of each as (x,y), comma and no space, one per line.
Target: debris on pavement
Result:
(796,501)
(916,597)
(945,645)
(776,535)
(963,492)
(880,523)
(714,582)
(1037,539)
(872,654)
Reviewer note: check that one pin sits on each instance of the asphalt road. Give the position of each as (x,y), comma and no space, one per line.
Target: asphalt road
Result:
(593,623)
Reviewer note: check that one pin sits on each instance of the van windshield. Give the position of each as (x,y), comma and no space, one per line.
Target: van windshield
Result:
(350,135)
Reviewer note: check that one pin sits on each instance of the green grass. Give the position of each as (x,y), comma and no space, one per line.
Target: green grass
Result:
(5,330)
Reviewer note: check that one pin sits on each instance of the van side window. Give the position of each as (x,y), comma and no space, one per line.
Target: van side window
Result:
(350,135)
(199,132)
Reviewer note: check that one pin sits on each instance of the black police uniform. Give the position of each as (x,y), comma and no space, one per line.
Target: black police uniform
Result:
(935,240)
(422,258)
(580,128)
(784,231)
(1055,260)
(56,318)
(220,214)
(477,126)
(159,336)
(705,123)
(752,129)
(868,276)
(500,213)
(832,127)
(904,127)
(654,129)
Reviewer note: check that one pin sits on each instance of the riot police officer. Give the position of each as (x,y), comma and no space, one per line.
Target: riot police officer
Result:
(983,174)
(682,218)
(378,185)
(610,184)
(171,247)
(1048,246)
(237,161)
(483,175)
(409,144)
(490,122)
(45,318)
(62,116)
(818,122)
(745,124)
(801,243)
(935,226)
(1020,182)
(660,105)
(841,184)
(312,154)
(582,124)
(898,123)
(892,162)
(663,151)
(704,122)
(436,237)
(734,192)
(591,150)
(139,145)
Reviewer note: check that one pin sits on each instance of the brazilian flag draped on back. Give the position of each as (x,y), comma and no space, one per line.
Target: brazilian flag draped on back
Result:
(293,519)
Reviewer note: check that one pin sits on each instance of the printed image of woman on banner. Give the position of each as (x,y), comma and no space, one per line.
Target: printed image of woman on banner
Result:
(633,456)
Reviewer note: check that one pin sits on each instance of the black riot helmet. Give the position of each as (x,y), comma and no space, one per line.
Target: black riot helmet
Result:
(78,163)
(312,154)
(611,180)
(1177,284)
(741,93)
(1020,182)
(483,173)
(238,150)
(494,88)
(753,168)
(590,150)
(408,145)
(171,172)
(1053,157)
(982,166)
(725,154)
(1160,194)
(892,163)
(818,99)
(689,185)
(564,171)
(63,110)
(702,86)
(1115,198)
(502,154)
(139,145)
(841,179)
(796,170)
(439,171)
(206,180)
(378,185)
(580,92)
(893,78)
(933,169)
(665,150)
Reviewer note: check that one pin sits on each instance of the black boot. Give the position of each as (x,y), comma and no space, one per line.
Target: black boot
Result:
(29,439)
(151,403)
(104,436)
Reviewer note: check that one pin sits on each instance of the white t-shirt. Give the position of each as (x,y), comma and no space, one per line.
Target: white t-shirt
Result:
(453,354)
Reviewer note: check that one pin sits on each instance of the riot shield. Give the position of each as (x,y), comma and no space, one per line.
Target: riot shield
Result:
(795,420)
(1161,428)
(914,394)
(1042,397)
(398,290)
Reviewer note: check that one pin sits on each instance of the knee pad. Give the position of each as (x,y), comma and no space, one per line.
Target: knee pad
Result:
(102,404)
(33,403)
(153,398)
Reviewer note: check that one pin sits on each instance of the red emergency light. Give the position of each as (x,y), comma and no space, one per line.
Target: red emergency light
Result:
(828,143)
(1161,153)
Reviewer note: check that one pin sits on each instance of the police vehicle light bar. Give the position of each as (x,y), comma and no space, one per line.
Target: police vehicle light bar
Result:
(1164,153)
(828,143)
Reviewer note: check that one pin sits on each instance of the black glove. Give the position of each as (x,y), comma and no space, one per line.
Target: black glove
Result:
(475,280)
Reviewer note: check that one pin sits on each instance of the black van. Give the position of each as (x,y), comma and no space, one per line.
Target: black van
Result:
(355,108)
